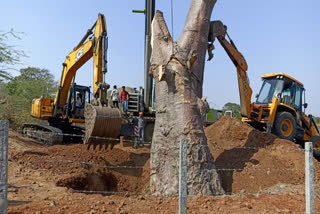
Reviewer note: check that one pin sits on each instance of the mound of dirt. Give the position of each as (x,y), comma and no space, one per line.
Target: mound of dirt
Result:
(247,160)
(35,171)
(260,161)
(75,167)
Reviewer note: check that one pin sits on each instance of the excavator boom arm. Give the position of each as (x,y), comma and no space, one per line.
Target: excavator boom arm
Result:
(73,62)
(93,47)
(64,110)
(219,31)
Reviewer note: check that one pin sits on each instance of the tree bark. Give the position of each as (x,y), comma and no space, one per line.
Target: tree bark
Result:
(177,68)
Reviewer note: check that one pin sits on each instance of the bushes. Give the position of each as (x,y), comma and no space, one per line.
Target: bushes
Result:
(17,94)
(235,108)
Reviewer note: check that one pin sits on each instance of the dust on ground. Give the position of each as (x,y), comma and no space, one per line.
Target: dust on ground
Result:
(46,179)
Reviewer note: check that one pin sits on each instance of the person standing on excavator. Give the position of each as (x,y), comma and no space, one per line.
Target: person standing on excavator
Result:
(115,96)
(124,99)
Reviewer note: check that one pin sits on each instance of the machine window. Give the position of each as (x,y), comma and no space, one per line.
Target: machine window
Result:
(271,88)
(87,97)
(264,93)
(278,88)
(297,99)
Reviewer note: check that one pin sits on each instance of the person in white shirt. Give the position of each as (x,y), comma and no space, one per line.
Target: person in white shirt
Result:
(115,96)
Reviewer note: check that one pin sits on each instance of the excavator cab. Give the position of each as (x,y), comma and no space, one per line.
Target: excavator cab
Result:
(77,98)
(281,106)
(288,91)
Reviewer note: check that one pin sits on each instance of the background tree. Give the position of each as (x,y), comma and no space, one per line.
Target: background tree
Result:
(317,120)
(9,55)
(235,108)
(177,68)
(18,93)
(3,94)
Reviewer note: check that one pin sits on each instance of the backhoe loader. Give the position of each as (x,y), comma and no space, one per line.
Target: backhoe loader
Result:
(73,104)
(280,105)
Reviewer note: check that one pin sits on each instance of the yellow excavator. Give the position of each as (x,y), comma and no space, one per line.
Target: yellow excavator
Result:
(73,104)
(280,105)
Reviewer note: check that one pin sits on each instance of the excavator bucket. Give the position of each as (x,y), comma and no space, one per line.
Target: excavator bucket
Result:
(103,126)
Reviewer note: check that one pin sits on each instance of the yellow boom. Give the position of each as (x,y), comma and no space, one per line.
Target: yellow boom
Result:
(68,108)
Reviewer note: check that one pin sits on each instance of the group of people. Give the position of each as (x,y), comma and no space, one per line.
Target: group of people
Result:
(115,97)
(124,97)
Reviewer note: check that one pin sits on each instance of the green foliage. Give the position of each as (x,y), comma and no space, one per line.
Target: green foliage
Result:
(31,83)
(235,108)
(18,93)
(9,55)
(317,119)
(210,115)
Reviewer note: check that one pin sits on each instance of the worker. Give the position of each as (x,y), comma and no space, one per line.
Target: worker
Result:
(115,96)
(140,130)
(78,101)
(124,99)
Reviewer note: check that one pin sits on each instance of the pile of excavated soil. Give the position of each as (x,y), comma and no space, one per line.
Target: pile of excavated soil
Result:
(34,174)
(266,162)
(75,167)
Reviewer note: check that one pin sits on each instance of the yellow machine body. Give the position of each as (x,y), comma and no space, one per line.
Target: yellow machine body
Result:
(42,108)
(63,110)
(279,107)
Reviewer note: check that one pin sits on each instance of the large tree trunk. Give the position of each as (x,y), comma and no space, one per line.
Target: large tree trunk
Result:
(177,68)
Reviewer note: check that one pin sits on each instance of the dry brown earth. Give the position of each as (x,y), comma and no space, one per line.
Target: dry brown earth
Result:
(42,179)
(261,160)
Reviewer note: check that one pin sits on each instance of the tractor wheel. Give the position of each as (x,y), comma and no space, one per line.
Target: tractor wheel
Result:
(285,126)
(316,146)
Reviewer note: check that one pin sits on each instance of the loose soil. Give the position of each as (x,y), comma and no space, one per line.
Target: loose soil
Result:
(260,160)
(58,179)
(75,167)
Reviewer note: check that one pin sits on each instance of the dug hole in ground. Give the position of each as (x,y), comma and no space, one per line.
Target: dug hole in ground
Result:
(269,179)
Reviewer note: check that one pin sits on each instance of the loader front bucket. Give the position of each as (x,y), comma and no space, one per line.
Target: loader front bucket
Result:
(102,125)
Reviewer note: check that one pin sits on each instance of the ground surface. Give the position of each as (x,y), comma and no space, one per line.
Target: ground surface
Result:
(261,160)
(44,179)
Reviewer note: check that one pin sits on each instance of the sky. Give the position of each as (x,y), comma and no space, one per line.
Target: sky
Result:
(274,36)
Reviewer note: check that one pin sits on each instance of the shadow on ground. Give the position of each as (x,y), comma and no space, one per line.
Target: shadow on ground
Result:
(237,157)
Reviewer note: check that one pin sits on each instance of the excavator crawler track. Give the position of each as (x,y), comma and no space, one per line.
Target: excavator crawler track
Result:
(43,134)
(103,126)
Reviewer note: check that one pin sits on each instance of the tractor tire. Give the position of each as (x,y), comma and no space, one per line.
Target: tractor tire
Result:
(285,126)
(316,146)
